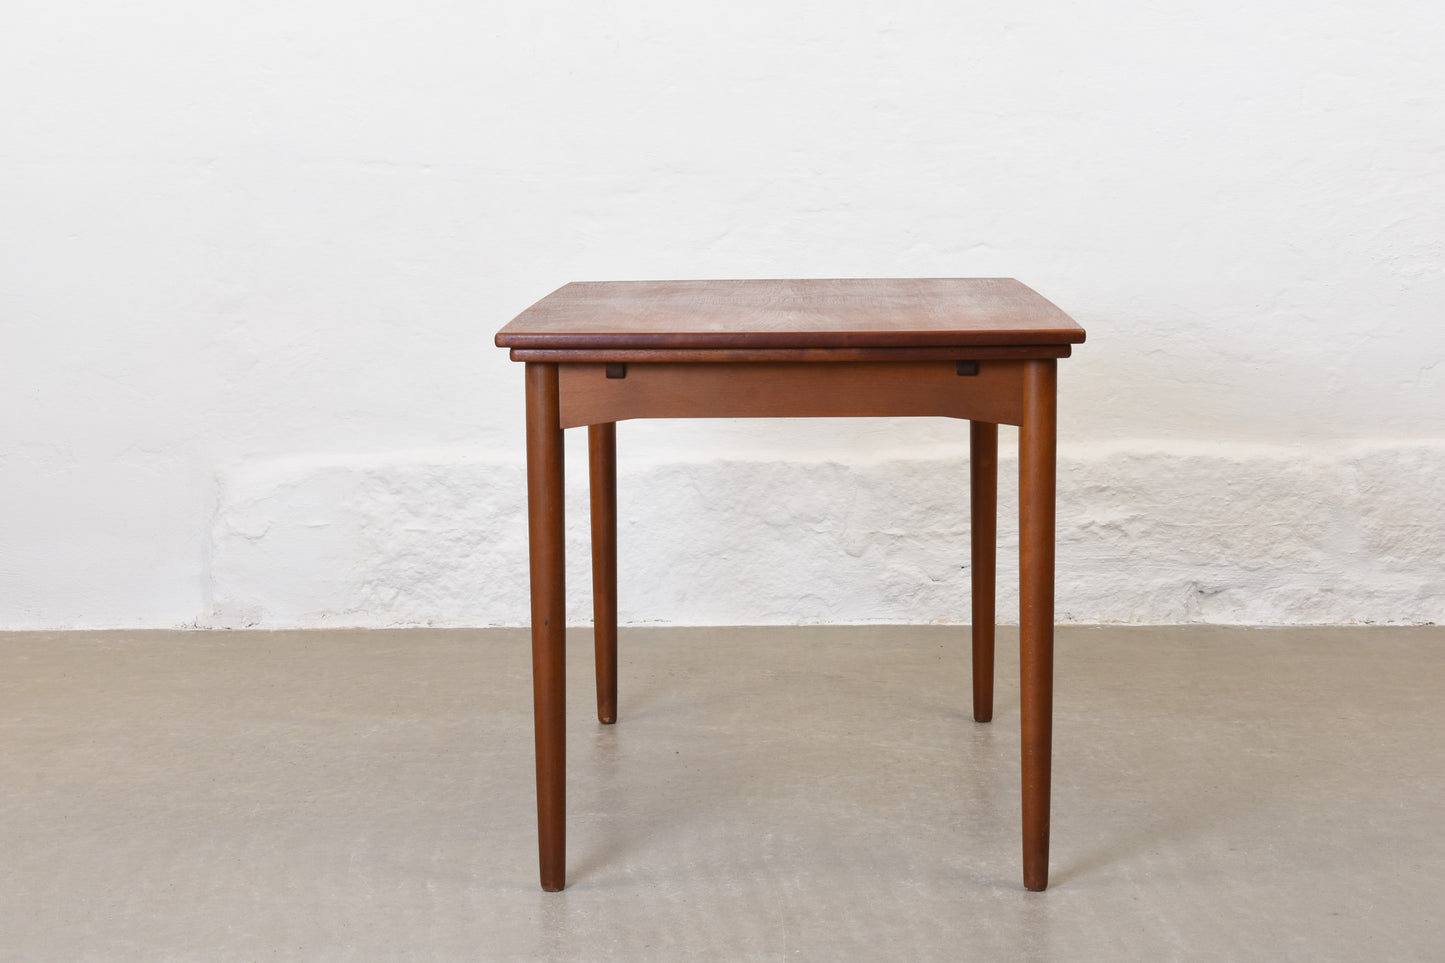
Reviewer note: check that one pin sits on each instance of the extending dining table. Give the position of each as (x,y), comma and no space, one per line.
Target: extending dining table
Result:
(981,349)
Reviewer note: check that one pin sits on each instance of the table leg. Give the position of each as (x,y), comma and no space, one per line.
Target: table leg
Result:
(549,623)
(983,525)
(602,463)
(1037,456)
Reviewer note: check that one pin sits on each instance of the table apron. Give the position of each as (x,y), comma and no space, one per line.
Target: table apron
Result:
(791,390)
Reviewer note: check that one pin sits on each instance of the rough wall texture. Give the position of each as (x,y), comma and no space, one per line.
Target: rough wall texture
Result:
(252,257)
(1176,533)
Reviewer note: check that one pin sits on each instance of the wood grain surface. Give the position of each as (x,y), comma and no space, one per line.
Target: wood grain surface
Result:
(811,313)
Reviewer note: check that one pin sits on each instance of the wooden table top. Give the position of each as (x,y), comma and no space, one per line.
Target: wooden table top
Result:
(855,313)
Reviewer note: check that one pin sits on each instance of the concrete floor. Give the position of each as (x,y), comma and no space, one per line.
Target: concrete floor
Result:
(769,794)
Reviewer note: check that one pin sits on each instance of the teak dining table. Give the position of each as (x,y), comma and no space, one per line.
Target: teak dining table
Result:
(981,349)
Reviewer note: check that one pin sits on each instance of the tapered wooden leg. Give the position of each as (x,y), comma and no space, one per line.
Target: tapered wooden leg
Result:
(983,533)
(1036,610)
(602,461)
(548,571)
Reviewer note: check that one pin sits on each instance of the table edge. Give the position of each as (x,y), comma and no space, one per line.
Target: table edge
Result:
(787,339)
(765,355)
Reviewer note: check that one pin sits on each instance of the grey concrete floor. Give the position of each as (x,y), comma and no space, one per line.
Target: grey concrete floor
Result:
(768,794)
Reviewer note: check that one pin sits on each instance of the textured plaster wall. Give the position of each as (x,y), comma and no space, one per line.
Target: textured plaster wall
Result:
(252,257)
(1163,533)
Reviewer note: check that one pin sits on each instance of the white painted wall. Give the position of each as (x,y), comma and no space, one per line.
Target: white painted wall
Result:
(252,257)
